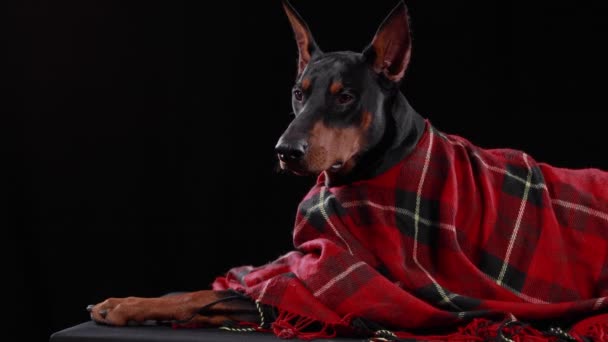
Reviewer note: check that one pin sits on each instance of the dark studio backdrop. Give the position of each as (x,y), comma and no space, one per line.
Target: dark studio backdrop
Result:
(146,129)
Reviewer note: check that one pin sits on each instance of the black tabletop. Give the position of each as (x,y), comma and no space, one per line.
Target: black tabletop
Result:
(92,332)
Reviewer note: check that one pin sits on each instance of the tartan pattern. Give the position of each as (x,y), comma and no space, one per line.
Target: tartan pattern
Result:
(450,233)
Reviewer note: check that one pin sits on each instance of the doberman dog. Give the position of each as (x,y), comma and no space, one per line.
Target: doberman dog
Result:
(343,126)
(351,124)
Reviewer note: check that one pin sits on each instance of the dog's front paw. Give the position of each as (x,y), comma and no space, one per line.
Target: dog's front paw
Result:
(122,311)
(219,306)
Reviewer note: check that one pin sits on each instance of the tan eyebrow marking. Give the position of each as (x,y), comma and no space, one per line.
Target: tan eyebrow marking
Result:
(306,83)
(336,87)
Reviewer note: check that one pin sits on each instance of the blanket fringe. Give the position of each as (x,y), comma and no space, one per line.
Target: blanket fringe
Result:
(289,325)
(594,328)
(597,332)
(485,330)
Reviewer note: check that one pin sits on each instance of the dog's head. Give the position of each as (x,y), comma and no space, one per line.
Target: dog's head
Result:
(339,98)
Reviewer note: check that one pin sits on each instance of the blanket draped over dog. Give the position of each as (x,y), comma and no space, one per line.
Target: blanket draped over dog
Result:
(454,238)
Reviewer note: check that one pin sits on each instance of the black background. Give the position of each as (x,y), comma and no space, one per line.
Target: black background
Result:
(145,130)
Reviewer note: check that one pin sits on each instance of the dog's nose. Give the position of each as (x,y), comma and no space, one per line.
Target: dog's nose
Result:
(290,152)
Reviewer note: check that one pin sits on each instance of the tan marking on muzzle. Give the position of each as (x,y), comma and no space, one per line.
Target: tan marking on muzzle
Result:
(366,121)
(328,145)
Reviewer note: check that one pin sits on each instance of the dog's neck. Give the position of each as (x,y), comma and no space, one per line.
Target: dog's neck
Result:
(403,128)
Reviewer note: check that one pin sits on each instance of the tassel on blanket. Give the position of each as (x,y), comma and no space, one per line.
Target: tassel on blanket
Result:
(597,332)
(594,328)
(288,325)
(486,330)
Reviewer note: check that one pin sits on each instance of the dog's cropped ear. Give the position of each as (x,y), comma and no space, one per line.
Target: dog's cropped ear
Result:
(389,53)
(307,47)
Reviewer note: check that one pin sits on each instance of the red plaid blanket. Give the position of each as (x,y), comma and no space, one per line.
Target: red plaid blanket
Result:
(453,237)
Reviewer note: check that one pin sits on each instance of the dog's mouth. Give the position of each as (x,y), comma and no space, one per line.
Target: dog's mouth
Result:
(301,169)
(294,167)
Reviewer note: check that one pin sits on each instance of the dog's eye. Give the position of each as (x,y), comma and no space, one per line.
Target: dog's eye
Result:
(298,95)
(345,98)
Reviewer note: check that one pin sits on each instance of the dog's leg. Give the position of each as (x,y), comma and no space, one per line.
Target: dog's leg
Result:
(182,307)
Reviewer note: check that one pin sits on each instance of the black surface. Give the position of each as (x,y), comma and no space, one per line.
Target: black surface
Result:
(91,332)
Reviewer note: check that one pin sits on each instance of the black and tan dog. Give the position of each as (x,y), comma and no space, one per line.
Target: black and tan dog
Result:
(523,235)
(345,106)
